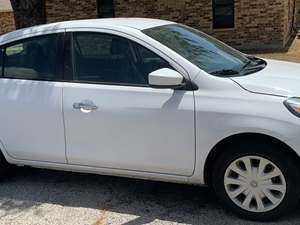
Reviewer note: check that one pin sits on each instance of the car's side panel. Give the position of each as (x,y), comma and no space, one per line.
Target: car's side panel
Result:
(31,120)
(100,171)
(224,109)
(134,128)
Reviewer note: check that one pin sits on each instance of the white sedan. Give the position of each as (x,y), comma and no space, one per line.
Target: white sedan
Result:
(152,99)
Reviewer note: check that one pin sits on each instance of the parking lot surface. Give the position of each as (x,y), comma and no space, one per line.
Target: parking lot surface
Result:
(42,197)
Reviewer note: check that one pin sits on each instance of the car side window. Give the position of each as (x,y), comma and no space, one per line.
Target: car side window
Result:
(106,58)
(148,61)
(34,58)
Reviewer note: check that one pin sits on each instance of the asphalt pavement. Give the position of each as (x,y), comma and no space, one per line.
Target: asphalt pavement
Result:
(43,197)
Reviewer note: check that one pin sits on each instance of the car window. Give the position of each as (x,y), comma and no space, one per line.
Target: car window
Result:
(108,58)
(148,61)
(35,58)
(200,49)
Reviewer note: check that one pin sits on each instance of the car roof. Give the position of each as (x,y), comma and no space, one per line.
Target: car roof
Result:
(127,23)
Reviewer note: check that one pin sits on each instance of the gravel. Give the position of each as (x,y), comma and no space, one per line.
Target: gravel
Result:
(42,197)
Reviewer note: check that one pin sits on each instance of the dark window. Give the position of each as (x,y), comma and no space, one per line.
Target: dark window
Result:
(35,58)
(104,58)
(223,11)
(105,8)
(148,61)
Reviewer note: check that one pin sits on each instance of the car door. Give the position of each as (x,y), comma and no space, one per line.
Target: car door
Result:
(31,100)
(113,119)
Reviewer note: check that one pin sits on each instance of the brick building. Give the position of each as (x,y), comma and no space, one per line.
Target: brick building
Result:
(7,21)
(245,24)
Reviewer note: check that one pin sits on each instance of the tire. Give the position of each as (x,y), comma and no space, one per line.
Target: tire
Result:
(254,201)
(5,167)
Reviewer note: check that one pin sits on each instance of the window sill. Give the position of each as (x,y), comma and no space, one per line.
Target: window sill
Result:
(224,29)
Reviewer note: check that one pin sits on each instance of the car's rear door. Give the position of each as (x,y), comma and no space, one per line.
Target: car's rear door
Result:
(31,124)
(113,119)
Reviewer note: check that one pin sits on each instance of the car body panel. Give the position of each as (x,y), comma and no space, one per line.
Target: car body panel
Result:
(278,78)
(134,128)
(31,120)
(224,109)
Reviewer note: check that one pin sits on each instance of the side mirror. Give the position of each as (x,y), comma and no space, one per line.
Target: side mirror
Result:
(166,78)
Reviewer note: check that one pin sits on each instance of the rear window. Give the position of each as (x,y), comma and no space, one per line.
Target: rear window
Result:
(34,58)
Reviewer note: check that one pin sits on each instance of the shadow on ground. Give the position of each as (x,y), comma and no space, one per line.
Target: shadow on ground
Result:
(147,200)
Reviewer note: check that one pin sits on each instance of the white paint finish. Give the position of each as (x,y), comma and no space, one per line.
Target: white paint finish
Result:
(31,120)
(278,78)
(165,77)
(104,140)
(134,128)
(224,109)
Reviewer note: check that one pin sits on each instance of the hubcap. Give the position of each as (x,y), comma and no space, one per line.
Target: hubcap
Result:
(255,184)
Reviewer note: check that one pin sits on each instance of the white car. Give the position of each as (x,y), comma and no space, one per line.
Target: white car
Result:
(153,99)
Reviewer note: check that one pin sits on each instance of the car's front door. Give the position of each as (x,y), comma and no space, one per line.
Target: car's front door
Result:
(31,100)
(113,119)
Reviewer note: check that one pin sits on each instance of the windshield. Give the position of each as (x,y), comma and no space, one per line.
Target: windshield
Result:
(204,51)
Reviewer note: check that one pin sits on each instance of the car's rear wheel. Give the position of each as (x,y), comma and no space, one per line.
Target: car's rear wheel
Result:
(256,181)
(5,167)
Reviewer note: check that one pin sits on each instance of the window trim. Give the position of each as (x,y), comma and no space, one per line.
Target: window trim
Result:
(58,75)
(214,5)
(68,57)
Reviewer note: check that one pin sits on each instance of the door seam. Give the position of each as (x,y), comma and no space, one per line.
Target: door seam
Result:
(64,124)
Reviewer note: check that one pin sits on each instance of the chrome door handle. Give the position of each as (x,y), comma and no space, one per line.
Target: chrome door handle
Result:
(85,105)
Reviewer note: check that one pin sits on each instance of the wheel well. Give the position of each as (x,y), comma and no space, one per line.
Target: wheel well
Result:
(243,138)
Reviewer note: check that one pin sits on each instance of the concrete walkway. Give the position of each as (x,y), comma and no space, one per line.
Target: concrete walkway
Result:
(292,55)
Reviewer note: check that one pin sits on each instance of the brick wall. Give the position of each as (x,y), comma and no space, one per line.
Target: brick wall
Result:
(258,24)
(61,10)
(7,22)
